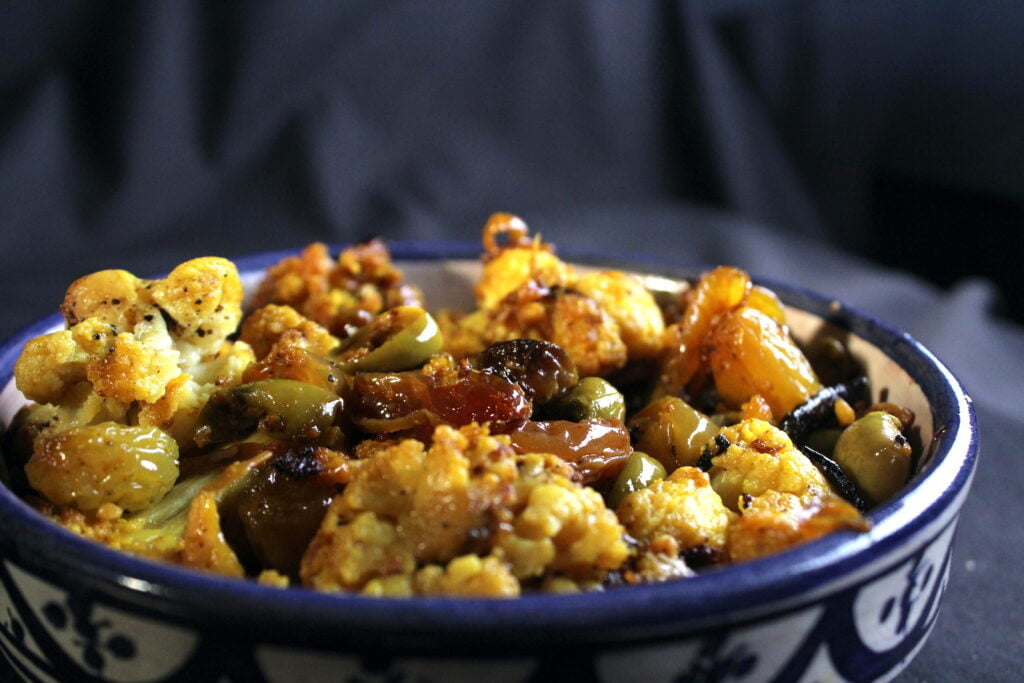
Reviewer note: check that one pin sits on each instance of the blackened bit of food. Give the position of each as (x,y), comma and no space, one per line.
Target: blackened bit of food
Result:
(543,369)
(299,463)
(818,411)
(712,450)
(837,477)
(277,513)
(701,556)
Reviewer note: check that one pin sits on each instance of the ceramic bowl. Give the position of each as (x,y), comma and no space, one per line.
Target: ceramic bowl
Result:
(847,606)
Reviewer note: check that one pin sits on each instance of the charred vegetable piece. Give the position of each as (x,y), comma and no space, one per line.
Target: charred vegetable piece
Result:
(399,339)
(672,431)
(837,477)
(597,448)
(712,450)
(543,369)
(88,466)
(281,507)
(280,407)
(640,470)
(393,402)
(592,398)
(876,455)
(818,411)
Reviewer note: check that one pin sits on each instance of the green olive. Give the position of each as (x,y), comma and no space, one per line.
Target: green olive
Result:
(592,398)
(402,338)
(640,471)
(672,431)
(87,466)
(824,440)
(876,455)
(281,408)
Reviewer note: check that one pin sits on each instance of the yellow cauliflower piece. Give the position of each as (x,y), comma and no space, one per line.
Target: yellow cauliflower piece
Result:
(518,261)
(413,512)
(775,521)
(348,292)
(625,299)
(408,505)
(265,326)
(575,322)
(762,458)
(563,527)
(684,507)
(148,351)
(469,576)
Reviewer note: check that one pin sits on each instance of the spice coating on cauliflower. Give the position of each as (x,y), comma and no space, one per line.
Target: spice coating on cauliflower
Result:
(150,349)
(775,521)
(761,457)
(683,506)
(409,510)
(338,294)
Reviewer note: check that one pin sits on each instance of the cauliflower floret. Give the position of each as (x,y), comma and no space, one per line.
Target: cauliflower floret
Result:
(775,521)
(151,351)
(684,507)
(265,326)
(640,321)
(560,526)
(362,283)
(575,322)
(761,458)
(413,512)
(517,262)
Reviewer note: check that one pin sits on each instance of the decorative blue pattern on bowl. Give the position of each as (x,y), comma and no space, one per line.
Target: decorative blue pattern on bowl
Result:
(847,606)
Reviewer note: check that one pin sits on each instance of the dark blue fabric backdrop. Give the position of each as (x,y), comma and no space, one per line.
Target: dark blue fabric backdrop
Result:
(871,150)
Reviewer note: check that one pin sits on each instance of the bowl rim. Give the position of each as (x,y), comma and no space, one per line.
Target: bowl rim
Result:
(778,583)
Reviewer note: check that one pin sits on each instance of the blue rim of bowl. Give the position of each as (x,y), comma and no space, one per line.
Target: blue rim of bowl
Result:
(745,591)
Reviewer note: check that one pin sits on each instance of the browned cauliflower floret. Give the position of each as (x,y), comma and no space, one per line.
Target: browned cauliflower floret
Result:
(155,348)
(575,322)
(264,327)
(602,320)
(342,294)
(516,261)
(559,526)
(762,458)
(684,507)
(775,521)
(625,299)
(413,512)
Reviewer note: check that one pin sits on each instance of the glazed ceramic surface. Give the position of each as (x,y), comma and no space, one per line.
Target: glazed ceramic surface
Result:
(846,607)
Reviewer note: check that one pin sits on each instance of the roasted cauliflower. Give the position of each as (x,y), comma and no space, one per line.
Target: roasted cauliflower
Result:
(411,511)
(571,434)
(339,294)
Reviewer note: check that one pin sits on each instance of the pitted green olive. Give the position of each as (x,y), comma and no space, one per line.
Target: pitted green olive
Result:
(876,455)
(640,471)
(399,339)
(672,431)
(278,407)
(592,398)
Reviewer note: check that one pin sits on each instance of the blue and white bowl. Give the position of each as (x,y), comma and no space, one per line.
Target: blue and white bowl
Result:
(848,606)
